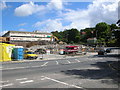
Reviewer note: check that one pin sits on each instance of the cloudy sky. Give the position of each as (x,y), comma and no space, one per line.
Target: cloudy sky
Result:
(56,15)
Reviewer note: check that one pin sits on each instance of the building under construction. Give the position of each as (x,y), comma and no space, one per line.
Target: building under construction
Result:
(23,38)
(4,39)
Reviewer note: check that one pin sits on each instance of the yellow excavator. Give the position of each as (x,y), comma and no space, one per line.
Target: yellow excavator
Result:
(54,38)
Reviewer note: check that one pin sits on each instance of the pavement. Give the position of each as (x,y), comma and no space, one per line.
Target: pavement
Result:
(58,56)
(43,57)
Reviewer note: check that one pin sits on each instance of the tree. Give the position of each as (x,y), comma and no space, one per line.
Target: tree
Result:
(65,36)
(103,32)
(77,39)
(113,26)
(86,33)
(57,34)
(73,35)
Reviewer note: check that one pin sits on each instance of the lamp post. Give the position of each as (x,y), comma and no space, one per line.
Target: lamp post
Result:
(96,39)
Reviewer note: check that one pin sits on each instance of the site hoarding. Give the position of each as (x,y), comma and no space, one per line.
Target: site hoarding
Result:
(6,52)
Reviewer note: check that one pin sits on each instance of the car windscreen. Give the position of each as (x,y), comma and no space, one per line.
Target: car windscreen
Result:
(30,52)
(69,47)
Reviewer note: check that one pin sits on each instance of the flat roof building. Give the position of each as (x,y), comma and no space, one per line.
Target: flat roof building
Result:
(20,36)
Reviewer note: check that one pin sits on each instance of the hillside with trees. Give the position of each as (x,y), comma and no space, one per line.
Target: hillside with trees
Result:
(103,32)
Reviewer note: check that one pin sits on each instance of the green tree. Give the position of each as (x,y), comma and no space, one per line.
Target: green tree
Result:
(116,34)
(87,33)
(57,34)
(73,35)
(103,32)
(113,26)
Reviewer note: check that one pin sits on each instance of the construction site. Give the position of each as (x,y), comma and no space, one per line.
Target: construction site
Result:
(16,45)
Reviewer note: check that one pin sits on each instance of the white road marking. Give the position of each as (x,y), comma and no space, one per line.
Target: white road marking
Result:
(57,62)
(27,81)
(43,78)
(21,79)
(77,60)
(68,61)
(4,81)
(14,68)
(60,82)
(23,67)
(8,68)
(10,84)
(19,68)
(35,66)
(94,58)
(45,64)
(100,58)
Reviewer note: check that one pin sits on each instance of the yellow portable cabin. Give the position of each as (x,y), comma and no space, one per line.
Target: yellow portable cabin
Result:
(5,52)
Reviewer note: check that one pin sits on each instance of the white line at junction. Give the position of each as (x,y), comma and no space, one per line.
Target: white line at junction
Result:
(44,77)
(45,64)
(10,84)
(35,66)
(68,61)
(57,62)
(77,60)
(4,81)
(28,81)
(14,68)
(18,68)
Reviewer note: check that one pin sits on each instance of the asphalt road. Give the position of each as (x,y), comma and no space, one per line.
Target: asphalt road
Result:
(81,72)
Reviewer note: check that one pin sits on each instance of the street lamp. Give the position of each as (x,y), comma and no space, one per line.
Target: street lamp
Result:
(118,22)
(96,39)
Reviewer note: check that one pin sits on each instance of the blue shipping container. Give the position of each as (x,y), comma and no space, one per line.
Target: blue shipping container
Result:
(18,53)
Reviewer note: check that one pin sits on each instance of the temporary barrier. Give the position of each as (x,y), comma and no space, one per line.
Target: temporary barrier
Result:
(18,53)
(6,51)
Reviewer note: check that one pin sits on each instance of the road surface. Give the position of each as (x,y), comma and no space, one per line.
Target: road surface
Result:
(81,72)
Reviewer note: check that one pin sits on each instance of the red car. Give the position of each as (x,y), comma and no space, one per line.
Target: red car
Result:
(70,49)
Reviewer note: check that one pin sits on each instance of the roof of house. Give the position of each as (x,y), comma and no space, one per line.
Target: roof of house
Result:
(91,39)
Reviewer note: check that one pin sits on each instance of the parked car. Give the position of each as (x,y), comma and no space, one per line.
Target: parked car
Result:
(30,55)
(69,50)
(40,51)
(101,52)
(108,50)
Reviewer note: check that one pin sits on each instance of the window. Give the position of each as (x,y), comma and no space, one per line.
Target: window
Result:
(30,52)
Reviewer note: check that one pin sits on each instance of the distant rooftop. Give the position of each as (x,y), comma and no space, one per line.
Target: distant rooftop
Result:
(35,32)
(29,32)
